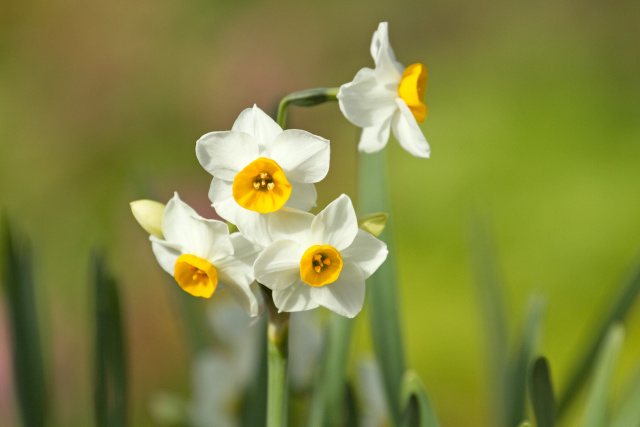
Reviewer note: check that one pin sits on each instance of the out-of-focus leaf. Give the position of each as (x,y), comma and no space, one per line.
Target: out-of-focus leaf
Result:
(598,398)
(516,377)
(491,305)
(382,286)
(254,405)
(29,376)
(628,414)
(415,404)
(541,393)
(110,375)
(623,301)
(327,401)
(525,424)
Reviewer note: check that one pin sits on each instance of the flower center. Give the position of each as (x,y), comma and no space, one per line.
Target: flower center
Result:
(261,186)
(412,88)
(320,265)
(196,275)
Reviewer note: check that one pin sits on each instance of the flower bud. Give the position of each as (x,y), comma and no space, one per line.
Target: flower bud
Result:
(374,223)
(148,213)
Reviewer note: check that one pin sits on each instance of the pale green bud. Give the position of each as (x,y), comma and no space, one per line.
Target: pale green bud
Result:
(148,213)
(374,223)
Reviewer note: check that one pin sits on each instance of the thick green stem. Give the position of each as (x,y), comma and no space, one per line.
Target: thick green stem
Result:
(305,98)
(277,354)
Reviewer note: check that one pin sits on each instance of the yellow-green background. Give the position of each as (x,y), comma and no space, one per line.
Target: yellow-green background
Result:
(533,121)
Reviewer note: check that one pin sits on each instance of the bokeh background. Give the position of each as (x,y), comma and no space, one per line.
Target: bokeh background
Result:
(533,121)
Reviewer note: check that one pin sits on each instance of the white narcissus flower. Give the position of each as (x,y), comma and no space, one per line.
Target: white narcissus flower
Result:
(319,260)
(258,168)
(201,255)
(389,97)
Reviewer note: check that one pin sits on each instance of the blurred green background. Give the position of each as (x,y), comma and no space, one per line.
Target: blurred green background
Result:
(533,122)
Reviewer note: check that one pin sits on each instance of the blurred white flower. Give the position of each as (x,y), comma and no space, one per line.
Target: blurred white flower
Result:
(387,98)
(321,260)
(201,255)
(258,168)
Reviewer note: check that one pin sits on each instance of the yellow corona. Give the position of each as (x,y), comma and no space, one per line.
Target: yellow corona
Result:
(320,265)
(412,89)
(261,186)
(196,275)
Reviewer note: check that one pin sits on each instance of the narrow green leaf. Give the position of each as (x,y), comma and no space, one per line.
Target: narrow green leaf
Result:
(327,401)
(110,375)
(618,310)
(492,308)
(598,398)
(415,403)
(516,376)
(541,393)
(382,286)
(628,415)
(29,376)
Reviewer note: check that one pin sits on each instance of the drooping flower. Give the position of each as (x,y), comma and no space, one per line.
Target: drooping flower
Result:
(319,260)
(258,168)
(201,255)
(390,97)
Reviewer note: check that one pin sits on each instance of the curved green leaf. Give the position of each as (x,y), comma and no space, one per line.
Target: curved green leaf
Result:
(415,403)
(598,398)
(621,305)
(29,375)
(541,393)
(110,365)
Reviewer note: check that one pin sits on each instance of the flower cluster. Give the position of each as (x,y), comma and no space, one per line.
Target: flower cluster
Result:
(263,182)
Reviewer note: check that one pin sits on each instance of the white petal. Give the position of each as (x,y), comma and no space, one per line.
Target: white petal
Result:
(303,196)
(345,296)
(365,101)
(408,133)
(296,297)
(278,266)
(258,124)
(244,250)
(221,196)
(224,154)
(166,253)
(254,226)
(235,276)
(205,238)
(291,224)
(303,157)
(388,70)
(374,138)
(337,224)
(366,252)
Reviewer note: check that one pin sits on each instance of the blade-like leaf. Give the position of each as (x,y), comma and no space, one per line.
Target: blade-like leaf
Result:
(516,376)
(621,305)
(492,308)
(253,411)
(598,398)
(382,288)
(327,404)
(415,403)
(29,376)
(628,415)
(110,388)
(541,393)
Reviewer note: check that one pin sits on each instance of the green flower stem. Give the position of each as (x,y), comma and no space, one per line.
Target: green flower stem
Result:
(305,98)
(277,354)
(382,293)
